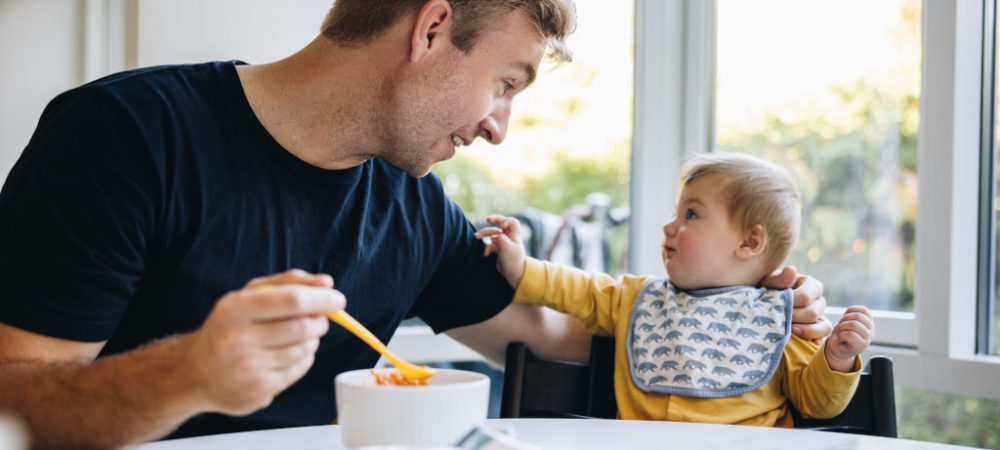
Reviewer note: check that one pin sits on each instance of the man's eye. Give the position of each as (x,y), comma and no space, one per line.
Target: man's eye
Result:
(507,87)
(691,214)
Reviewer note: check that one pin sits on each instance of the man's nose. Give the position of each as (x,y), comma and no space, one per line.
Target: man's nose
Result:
(494,127)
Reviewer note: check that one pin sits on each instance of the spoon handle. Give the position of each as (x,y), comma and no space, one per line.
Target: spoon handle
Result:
(345,320)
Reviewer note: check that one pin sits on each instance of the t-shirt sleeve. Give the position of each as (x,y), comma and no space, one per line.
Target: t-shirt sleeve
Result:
(466,287)
(75,215)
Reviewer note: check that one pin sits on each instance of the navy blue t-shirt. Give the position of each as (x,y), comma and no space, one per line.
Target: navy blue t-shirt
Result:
(145,196)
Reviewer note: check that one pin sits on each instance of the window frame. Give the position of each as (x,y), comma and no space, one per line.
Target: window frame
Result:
(987,186)
(934,347)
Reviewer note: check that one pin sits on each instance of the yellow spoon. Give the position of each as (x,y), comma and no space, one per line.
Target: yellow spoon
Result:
(406,369)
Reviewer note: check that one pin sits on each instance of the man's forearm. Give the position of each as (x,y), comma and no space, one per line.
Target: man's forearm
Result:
(550,334)
(108,403)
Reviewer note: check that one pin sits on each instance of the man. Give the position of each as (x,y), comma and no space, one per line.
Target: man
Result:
(145,200)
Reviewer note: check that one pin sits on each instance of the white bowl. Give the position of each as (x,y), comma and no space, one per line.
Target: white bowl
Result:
(436,414)
(13,435)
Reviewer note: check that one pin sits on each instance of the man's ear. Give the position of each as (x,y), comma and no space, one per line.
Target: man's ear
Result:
(754,242)
(431,30)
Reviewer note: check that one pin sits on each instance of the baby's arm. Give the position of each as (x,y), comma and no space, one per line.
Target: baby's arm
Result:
(852,336)
(821,381)
(595,298)
(505,241)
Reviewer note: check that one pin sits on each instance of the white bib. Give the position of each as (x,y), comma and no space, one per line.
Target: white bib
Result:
(707,343)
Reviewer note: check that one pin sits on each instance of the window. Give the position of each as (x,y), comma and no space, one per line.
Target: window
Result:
(569,137)
(850,110)
(989,320)
(839,107)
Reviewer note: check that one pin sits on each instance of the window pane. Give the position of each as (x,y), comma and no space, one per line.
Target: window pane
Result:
(951,419)
(570,136)
(838,106)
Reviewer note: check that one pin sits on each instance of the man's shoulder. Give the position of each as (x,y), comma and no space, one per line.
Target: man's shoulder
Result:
(140,89)
(163,74)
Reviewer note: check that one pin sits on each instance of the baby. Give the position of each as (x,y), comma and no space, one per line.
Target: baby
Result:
(706,344)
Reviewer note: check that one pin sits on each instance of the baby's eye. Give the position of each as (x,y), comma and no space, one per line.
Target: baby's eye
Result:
(690,214)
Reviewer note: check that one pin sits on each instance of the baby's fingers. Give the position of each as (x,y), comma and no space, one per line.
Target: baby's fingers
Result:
(489,235)
(867,321)
(500,221)
(859,309)
(511,226)
(489,249)
(488,232)
(855,327)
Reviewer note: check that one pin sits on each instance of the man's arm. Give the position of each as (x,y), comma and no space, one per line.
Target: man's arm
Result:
(253,345)
(550,334)
(71,401)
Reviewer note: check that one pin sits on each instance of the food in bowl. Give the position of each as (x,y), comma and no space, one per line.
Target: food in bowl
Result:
(438,413)
(394,378)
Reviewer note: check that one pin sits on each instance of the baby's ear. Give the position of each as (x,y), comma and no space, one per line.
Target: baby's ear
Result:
(754,242)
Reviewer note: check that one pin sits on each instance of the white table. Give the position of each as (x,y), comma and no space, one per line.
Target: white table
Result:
(577,434)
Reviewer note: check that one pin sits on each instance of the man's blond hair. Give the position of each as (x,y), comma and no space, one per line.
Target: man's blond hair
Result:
(755,192)
(361,21)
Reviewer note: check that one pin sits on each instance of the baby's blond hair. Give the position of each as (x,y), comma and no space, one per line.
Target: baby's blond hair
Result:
(755,192)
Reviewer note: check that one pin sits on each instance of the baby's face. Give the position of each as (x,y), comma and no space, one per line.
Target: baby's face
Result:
(700,244)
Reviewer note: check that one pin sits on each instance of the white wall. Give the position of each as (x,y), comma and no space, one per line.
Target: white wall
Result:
(49,46)
(39,58)
(255,31)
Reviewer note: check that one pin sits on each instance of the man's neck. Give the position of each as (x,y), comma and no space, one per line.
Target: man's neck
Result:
(319,103)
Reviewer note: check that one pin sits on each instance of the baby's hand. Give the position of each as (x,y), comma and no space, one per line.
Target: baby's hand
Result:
(852,335)
(505,241)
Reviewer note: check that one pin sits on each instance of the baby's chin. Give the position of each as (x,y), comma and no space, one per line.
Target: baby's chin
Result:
(685,286)
(677,279)
(682,282)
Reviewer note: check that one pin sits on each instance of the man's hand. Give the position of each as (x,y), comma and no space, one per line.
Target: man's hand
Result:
(252,346)
(852,336)
(505,241)
(256,342)
(808,321)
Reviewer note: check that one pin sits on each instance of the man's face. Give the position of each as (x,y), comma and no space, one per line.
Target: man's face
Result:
(457,97)
(699,245)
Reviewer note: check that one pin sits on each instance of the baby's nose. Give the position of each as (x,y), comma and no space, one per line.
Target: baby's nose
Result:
(669,229)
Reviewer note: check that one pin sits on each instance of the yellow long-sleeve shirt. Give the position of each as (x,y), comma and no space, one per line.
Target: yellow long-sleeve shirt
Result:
(605,304)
